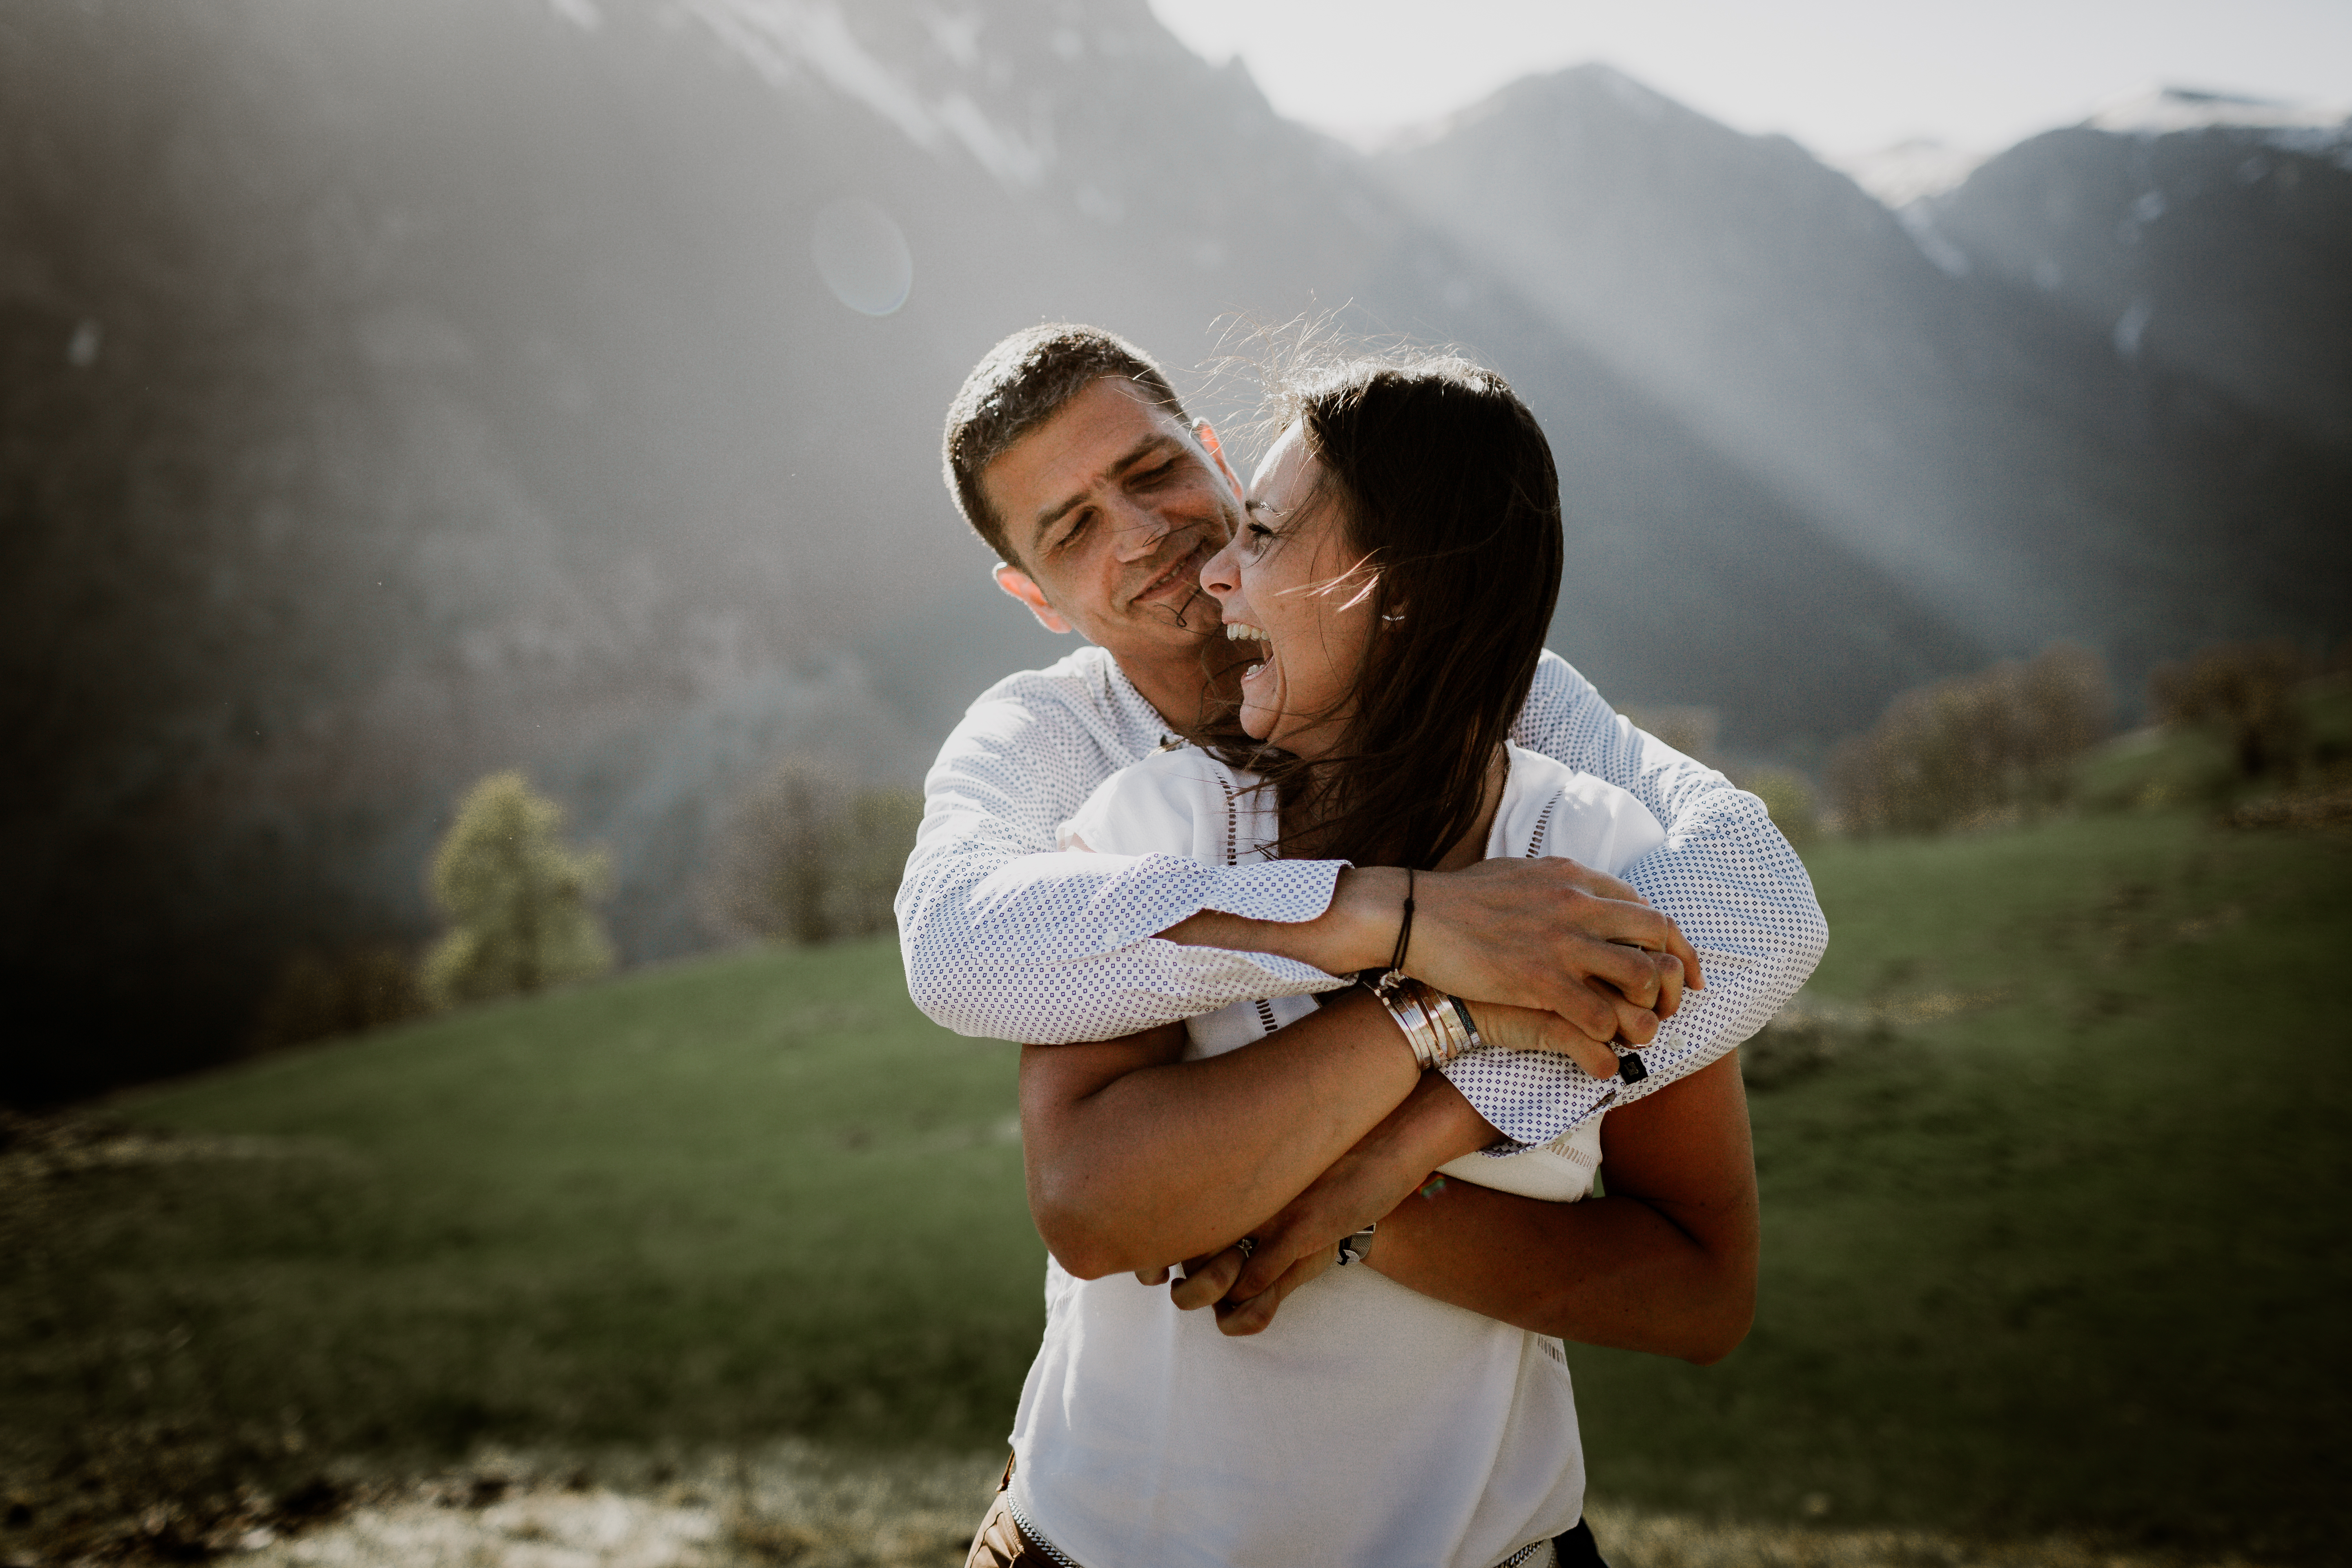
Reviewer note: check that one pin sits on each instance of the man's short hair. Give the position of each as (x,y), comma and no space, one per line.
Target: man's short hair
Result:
(1018,385)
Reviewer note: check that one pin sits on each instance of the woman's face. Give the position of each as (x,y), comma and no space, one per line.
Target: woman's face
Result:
(1289,582)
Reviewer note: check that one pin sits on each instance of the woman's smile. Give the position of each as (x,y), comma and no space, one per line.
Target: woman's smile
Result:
(1290,582)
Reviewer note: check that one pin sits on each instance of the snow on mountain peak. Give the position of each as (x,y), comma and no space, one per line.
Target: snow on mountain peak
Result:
(780,38)
(2157,111)
(1909,170)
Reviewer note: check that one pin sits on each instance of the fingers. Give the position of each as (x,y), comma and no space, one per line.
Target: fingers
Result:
(1636,1026)
(1582,1004)
(1207,1279)
(1277,1255)
(1151,1276)
(1680,946)
(1531,1029)
(1252,1314)
(1635,972)
(1597,1060)
(1670,985)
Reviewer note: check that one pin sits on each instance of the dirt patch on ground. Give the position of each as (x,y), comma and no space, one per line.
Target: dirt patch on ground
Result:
(798,1505)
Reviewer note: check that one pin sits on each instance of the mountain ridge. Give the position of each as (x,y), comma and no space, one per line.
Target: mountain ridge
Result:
(396,394)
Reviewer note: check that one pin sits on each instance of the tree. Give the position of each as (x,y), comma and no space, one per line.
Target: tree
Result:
(2247,690)
(1968,747)
(808,858)
(517,901)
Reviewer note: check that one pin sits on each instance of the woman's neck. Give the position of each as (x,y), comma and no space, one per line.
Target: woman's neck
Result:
(1471,847)
(1304,837)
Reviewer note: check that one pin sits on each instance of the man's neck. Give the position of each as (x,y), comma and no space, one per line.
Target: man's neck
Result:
(1179,688)
(1177,692)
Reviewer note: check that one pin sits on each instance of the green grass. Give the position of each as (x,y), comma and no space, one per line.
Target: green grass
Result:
(2074,1259)
(2069,1255)
(755,1194)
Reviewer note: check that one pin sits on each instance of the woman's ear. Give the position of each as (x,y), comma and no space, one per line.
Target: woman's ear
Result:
(1022,586)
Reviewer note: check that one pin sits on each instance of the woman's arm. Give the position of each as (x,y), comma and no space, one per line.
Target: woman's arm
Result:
(1136,1158)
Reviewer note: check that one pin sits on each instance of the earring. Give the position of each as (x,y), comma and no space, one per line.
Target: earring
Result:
(1392,617)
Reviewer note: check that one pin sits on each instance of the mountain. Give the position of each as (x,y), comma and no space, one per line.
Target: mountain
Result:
(2208,235)
(1994,449)
(396,392)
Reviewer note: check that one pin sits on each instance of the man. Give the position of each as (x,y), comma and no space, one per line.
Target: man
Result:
(1068,452)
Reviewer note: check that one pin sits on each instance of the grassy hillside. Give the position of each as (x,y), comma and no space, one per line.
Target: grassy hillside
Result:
(2053,1201)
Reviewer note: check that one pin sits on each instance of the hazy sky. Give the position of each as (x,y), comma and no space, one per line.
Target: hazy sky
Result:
(1844,77)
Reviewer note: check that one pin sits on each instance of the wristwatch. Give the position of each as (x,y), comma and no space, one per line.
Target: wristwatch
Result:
(1357,1247)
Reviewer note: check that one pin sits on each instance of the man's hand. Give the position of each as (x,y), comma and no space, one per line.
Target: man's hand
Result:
(1385,1167)
(1545,934)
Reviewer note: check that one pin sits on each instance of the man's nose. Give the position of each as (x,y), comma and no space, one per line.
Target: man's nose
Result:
(1140,530)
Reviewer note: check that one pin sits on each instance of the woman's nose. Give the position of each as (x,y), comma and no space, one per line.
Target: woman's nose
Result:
(1221,575)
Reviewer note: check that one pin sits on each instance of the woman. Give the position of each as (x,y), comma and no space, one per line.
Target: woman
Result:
(1398,566)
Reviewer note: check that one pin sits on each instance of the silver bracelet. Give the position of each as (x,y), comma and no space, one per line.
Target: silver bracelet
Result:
(1404,1000)
(1461,1011)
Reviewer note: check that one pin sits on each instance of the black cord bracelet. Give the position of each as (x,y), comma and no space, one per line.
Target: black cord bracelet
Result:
(1404,930)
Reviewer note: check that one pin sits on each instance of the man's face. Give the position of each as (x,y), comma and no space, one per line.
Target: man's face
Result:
(1112,506)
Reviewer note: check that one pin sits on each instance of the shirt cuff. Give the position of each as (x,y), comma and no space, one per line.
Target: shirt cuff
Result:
(1531,1097)
(1286,892)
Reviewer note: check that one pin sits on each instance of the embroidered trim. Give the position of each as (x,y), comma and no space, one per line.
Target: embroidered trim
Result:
(1535,844)
(1265,1016)
(1233,821)
(1522,1554)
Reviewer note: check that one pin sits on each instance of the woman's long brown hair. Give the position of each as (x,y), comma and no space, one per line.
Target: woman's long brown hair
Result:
(1446,485)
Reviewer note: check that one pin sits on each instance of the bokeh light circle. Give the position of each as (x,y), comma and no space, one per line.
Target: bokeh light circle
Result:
(862,255)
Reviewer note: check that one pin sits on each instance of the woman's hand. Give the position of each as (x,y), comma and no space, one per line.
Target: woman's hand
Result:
(1533,1029)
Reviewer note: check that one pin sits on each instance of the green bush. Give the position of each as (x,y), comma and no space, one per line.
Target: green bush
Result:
(517,901)
(2247,692)
(1970,748)
(320,995)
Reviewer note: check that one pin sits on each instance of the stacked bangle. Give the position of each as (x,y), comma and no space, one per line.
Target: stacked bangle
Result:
(1437,1027)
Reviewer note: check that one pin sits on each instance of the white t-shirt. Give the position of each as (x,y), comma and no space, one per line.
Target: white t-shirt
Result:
(1369,1425)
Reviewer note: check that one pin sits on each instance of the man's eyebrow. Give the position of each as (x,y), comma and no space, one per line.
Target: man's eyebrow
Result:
(1148,447)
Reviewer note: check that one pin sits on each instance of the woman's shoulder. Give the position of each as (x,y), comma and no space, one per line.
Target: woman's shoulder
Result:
(1550,809)
(1177,801)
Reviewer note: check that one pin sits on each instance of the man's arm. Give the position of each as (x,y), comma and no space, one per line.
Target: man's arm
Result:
(1012,941)
(1004,937)
(1136,1158)
(1665,1263)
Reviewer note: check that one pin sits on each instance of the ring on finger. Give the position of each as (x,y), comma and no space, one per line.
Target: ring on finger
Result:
(1246,1246)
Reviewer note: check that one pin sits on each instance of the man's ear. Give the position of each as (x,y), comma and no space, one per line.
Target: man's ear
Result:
(1019,583)
(1216,451)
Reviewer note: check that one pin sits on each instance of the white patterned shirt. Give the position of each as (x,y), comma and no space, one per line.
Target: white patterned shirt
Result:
(1003,936)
